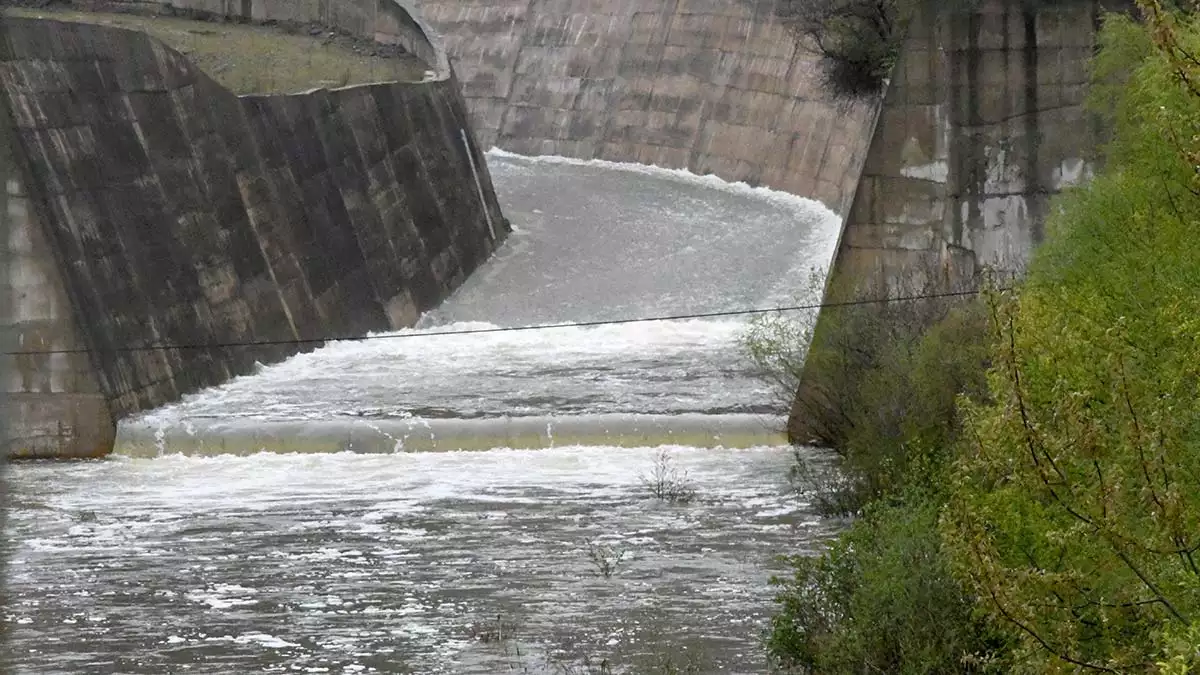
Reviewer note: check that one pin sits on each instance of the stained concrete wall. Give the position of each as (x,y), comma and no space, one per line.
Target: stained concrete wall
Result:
(712,86)
(983,124)
(47,401)
(146,205)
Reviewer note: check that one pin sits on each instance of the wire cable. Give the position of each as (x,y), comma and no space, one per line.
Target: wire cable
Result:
(498,329)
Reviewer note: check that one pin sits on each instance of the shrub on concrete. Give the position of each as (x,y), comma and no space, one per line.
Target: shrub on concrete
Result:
(859,39)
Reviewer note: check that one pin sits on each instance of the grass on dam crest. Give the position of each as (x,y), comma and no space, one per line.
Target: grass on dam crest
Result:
(249,59)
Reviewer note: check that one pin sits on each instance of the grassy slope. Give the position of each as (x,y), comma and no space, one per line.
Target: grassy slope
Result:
(256,59)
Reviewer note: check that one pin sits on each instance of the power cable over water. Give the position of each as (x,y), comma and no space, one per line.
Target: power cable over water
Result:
(501,329)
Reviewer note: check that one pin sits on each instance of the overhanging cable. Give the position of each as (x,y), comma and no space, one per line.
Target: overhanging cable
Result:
(499,329)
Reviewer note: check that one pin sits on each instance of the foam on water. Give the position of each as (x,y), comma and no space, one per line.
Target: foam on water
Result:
(392,562)
(803,207)
(424,372)
(595,241)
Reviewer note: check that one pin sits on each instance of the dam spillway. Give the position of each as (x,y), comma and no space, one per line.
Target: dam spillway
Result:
(593,242)
(346,548)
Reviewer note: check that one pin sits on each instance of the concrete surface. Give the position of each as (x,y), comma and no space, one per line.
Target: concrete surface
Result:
(146,205)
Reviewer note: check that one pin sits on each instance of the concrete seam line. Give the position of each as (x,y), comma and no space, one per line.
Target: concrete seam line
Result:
(478,186)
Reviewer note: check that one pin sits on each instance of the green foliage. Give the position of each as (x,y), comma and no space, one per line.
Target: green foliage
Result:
(1075,511)
(880,386)
(1181,651)
(881,600)
(1066,535)
(859,39)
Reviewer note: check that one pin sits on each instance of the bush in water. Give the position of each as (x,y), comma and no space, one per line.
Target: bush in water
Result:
(667,482)
(879,382)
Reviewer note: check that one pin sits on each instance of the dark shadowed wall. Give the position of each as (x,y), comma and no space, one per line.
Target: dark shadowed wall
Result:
(146,206)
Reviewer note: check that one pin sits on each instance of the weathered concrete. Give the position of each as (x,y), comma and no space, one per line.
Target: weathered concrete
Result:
(146,205)
(983,123)
(47,402)
(712,86)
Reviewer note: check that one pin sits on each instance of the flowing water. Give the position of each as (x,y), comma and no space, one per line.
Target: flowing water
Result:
(298,520)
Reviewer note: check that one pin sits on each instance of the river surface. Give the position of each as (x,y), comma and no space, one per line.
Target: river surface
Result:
(295,520)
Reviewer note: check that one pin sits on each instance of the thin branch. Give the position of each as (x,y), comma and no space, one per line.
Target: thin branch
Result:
(1040,640)
(1149,584)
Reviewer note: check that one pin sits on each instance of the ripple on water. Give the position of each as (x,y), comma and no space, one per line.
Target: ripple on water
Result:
(397,562)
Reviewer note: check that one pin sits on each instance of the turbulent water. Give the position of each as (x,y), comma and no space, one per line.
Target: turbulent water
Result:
(356,552)
(593,241)
(396,563)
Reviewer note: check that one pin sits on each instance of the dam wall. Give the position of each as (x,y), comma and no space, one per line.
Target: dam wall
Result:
(712,86)
(951,171)
(144,205)
(984,122)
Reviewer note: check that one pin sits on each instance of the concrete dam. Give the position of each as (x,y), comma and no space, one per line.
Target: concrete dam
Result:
(282,226)
(145,205)
(949,172)
(952,169)
(297,517)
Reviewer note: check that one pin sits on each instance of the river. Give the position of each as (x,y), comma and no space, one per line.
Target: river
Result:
(318,517)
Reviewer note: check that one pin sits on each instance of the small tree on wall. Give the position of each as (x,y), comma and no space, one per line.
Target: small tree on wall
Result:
(858,39)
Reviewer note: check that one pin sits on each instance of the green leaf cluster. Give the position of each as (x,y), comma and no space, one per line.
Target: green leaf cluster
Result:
(1026,473)
(1075,509)
(882,599)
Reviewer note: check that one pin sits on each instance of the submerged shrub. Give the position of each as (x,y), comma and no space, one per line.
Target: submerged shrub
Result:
(881,599)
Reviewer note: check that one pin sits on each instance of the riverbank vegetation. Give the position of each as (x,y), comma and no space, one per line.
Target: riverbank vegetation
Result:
(1025,474)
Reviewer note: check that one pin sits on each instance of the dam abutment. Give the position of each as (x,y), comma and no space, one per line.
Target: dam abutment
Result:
(146,206)
(985,121)
(949,173)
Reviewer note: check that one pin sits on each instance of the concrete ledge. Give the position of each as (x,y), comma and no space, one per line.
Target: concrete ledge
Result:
(387,22)
(431,435)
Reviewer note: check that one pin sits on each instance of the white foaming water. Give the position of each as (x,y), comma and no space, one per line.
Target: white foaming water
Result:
(400,562)
(593,241)
(393,562)
(572,370)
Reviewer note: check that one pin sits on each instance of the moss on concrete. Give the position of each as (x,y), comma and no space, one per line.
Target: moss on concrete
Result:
(249,59)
